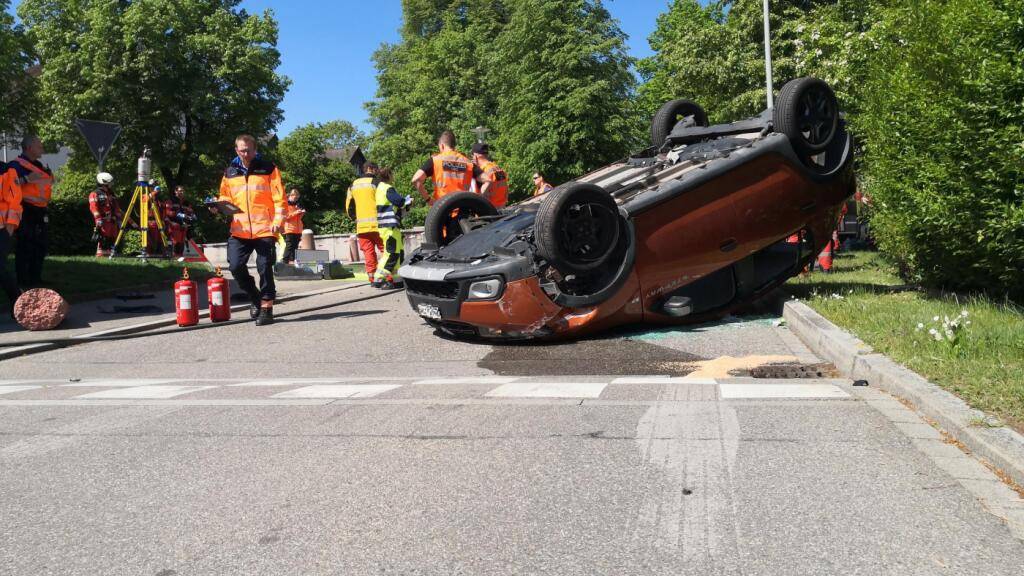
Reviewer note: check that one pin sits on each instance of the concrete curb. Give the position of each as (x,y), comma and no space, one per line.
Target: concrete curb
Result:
(1000,446)
(163,321)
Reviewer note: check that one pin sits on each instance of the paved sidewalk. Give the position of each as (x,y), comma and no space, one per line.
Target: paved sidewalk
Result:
(101,315)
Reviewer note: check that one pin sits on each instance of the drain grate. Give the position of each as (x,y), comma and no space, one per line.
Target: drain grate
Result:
(824,370)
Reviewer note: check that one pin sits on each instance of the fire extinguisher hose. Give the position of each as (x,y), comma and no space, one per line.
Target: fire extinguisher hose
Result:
(68,341)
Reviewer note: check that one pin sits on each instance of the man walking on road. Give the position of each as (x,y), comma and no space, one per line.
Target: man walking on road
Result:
(253,184)
(36,182)
(361,206)
(450,170)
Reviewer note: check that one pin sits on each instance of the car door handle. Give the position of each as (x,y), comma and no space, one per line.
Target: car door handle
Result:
(728,245)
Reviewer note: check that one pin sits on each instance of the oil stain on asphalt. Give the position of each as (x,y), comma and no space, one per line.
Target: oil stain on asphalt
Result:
(612,356)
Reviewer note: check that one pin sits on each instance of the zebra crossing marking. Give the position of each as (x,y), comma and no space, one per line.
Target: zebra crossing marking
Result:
(549,390)
(338,391)
(143,393)
(780,391)
(12,389)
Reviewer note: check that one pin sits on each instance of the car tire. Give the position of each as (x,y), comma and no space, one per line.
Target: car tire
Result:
(807,112)
(577,227)
(441,225)
(670,113)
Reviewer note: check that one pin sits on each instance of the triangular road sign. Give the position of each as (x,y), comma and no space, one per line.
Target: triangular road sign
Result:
(193,253)
(100,137)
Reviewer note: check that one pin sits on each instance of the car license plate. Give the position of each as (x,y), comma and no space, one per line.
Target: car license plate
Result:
(429,311)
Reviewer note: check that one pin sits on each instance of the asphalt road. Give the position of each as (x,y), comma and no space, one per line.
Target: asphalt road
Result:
(350,439)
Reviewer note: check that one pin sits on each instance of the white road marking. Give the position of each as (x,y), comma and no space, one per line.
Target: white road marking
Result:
(13,389)
(468,380)
(761,391)
(293,382)
(121,383)
(664,380)
(338,391)
(549,390)
(143,392)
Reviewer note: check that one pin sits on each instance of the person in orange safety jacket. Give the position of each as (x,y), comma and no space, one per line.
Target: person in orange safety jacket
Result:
(292,226)
(106,214)
(179,216)
(493,181)
(450,170)
(253,184)
(10,218)
(36,181)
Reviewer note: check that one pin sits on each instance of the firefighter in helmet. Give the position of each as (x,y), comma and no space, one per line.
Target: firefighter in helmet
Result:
(106,214)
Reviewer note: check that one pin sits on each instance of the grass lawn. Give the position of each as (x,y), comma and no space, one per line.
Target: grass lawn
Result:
(79,278)
(984,364)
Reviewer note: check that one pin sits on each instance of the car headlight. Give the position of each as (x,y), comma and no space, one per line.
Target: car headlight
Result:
(485,289)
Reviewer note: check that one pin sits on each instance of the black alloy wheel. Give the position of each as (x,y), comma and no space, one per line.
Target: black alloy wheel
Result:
(808,113)
(577,228)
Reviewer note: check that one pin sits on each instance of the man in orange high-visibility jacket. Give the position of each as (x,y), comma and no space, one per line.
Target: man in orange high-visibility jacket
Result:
(450,170)
(36,181)
(10,218)
(493,181)
(253,184)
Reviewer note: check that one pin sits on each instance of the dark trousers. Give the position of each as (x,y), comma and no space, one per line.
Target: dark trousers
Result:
(31,249)
(6,280)
(291,243)
(239,251)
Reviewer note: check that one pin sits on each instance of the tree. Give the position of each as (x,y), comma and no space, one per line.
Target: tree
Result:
(714,54)
(550,78)
(301,155)
(181,76)
(565,105)
(17,86)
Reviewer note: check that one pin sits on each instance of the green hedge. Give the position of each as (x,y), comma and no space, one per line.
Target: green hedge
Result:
(944,142)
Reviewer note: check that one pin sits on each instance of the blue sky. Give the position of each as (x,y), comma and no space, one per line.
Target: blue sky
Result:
(326,47)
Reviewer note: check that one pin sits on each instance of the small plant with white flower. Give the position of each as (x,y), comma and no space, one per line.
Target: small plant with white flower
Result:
(946,329)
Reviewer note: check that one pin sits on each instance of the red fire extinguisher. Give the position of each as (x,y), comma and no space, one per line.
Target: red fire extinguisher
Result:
(186,297)
(219,298)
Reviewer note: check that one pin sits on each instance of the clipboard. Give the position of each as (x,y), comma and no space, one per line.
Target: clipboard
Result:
(223,207)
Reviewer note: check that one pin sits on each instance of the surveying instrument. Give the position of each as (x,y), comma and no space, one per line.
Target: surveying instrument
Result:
(148,208)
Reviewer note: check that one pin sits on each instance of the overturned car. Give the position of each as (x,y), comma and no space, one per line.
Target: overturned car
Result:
(706,219)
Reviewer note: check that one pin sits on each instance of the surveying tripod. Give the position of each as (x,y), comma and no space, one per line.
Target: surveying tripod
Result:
(148,209)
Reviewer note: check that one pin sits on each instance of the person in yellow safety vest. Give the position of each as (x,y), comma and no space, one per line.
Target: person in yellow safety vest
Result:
(493,181)
(389,224)
(450,170)
(253,184)
(10,218)
(361,206)
(36,182)
(539,185)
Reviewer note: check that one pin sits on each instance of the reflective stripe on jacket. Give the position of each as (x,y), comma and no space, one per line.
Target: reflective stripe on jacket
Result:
(259,192)
(499,183)
(453,173)
(10,196)
(34,193)
(363,193)
(388,202)
(103,206)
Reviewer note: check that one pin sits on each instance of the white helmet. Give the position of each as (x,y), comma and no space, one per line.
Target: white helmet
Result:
(104,178)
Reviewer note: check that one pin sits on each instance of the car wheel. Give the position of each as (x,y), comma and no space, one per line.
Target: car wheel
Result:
(577,227)
(807,112)
(670,114)
(443,220)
